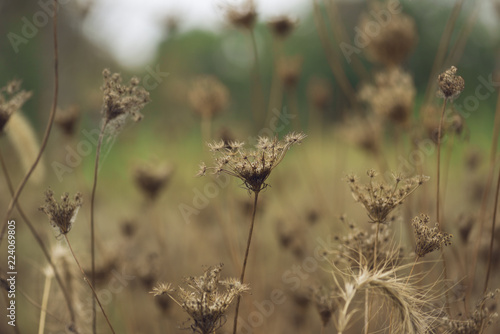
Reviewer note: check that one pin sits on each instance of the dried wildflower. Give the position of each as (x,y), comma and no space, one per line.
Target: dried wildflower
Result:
(450,85)
(208,96)
(323,301)
(121,101)
(395,41)
(67,119)
(289,71)
(252,167)
(477,322)
(380,199)
(243,17)
(151,180)
(282,26)
(319,93)
(428,239)
(12,99)
(61,215)
(391,96)
(364,133)
(205,299)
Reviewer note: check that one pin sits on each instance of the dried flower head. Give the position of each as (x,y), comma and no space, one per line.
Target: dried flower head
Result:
(428,239)
(205,299)
(61,215)
(242,17)
(289,70)
(366,133)
(252,167)
(450,85)
(319,93)
(391,96)
(395,41)
(380,199)
(282,26)
(12,99)
(208,96)
(121,101)
(152,179)
(324,302)
(481,318)
(67,119)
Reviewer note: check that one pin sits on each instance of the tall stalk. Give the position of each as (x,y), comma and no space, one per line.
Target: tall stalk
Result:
(250,232)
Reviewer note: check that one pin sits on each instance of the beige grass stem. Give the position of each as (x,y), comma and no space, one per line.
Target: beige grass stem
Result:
(45,301)
(250,232)
(89,284)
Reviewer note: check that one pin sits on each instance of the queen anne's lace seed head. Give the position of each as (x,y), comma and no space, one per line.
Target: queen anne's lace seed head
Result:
(61,215)
(428,239)
(252,167)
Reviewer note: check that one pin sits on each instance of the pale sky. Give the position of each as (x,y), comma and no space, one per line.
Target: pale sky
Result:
(132,29)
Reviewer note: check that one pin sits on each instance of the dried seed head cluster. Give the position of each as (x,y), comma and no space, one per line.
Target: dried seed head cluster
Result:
(380,199)
(481,318)
(319,93)
(289,71)
(324,302)
(450,84)
(395,41)
(356,249)
(67,119)
(208,96)
(61,215)
(152,179)
(428,239)
(251,167)
(121,101)
(282,26)
(364,133)
(243,17)
(391,96)
(205,299)
(12,99)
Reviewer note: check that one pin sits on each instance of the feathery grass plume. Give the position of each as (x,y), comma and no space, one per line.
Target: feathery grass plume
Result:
(205,299)
(152,179)
(121,101)
(208,96)
(478,321)
(380,199)
(67,119)
(428,239)
(282,26)
(412,305)
(22,136)
(12,99)
(289,71)
(244,16)
(319,93)
(62,214)
(395,41)
(450,84)
(251,167)
(391,96)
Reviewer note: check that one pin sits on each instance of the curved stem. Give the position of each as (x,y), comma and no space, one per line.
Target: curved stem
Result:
(256,196)
(92,234)
(45,139)
(88,282)
(40,242)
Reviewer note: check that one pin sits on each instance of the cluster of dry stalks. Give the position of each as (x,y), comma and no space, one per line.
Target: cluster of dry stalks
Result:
(402,265)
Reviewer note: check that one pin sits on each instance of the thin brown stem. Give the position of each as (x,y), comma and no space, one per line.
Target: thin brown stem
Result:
(375,246)
(40,242)
(250,232)
(48,129)
(492,236)
(440,128)
(412,267)
(92,209)
(88,282)
(258,94)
